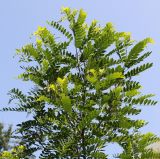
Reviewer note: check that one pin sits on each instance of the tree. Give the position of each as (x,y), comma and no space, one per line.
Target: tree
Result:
(9,149)
(5,138)
(84,91)
(138,146)
(15,153)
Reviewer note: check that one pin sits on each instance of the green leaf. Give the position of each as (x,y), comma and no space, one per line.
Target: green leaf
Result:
(139,69)
(63,30)
(82,16)
(79,29)
(115,75)
(132,93)
(66,103)
(43,98)
(92,76)
(106,38)
(118,91)
(45,65)
(137,49)
(99,155)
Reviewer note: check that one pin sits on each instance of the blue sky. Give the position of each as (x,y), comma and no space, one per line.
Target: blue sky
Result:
(18,19)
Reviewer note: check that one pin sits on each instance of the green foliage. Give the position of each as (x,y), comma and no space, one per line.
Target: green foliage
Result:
(84,92)
(136,146)
(16,153)
(136,50)
(5,138)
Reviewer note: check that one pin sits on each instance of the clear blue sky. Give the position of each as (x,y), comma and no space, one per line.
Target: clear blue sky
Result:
(18,19)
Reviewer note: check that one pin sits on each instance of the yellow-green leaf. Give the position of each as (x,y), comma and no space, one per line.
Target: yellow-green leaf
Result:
(115,75)
(43,98)
(52,87)
(62,81)
(45,65)
(82,16)
(132,93)
(92,76)
(139,47)
(66,103)
(118,91)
